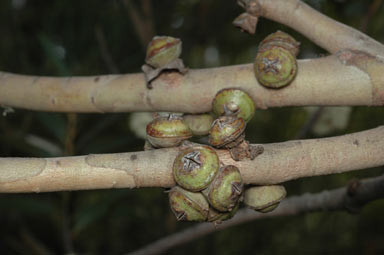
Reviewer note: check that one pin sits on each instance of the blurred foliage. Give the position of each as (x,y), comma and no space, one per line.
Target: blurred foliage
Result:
(59,38)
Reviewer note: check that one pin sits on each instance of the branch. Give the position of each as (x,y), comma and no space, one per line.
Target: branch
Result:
(352,198)
(348,78)
(352,77)
(280,162)
(322,30)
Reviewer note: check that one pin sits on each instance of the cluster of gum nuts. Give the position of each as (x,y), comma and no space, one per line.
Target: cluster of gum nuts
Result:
(208,190)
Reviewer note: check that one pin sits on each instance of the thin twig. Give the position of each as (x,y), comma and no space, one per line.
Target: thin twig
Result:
(351,198)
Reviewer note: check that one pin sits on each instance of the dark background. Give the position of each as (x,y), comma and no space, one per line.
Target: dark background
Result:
(61,38)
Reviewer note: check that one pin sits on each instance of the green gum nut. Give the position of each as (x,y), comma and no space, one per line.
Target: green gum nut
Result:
(275,67)
(264,198)
(227,131)
(225,190)
(280,39)
(162,50)
(166,132)
(269,208)
(217,217)
(199,124)
(187,205)
(196,167)
(234,102)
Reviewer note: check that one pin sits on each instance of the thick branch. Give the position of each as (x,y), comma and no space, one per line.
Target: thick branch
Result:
(338,199)
(280,162)
(322,30)
(350,78)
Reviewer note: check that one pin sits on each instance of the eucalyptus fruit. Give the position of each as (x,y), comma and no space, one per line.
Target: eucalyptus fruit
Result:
(163,53)
(217,217)
(264,198)
(227,131)
(167,131)
(163,50)
(187,205)
(226,189)
(195,167)
(199,124)
(234,108)
(280,39)
(233,102)
(275,64)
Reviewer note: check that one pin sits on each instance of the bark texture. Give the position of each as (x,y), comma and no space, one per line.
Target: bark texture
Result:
(280,162)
